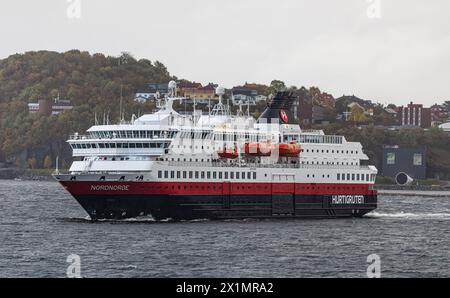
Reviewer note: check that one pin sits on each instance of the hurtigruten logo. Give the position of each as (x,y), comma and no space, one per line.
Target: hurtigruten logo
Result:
(110,187)
(347,199)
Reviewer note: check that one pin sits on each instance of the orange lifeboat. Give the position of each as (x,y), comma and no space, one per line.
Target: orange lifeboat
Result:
(292,149)
(258,149)
(228,153)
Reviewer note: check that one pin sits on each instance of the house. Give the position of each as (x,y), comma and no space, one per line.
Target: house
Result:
(306,110)
(151,91)
(356,112)
(260,97)
(414,115)
(185,87)
(243,95)
(391,112)
(411,161)
(47,107)
(200,93)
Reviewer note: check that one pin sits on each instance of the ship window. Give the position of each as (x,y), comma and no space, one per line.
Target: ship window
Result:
(184,174)
(254,175)
(249,175)
(307,176)
(119,145)
(132,145)
(113,145)
(237,175)
(208,175)
(353,176)
(357,177)
(196,174)
(159,174)
(367,177)
(348,176)
(231,175)
(190,174)
(202,174)
(243,175)
(226,175)
(220,175)
(338,176)
(214,175)
(178,174)
(166,174)
(83,146)
(125,145)
(139,145)
(172,174)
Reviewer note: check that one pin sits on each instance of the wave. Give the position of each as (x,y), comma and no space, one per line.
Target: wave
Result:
(409,215)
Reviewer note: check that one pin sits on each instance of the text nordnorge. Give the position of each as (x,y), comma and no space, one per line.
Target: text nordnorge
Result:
(347,199)
(110,187)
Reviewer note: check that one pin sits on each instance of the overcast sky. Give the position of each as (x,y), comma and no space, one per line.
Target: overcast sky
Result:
(394,52)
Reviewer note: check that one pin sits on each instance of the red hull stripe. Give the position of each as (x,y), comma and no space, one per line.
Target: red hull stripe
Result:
(212,188)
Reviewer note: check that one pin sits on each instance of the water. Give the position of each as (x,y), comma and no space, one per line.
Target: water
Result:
(41,225)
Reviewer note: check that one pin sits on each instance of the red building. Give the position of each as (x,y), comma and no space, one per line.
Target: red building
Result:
(414,115)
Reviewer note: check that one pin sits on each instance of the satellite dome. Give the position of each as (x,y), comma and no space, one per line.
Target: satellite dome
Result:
(172,84)
(220,91)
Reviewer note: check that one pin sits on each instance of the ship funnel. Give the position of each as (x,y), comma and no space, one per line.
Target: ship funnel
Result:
(279,109)
(403,179)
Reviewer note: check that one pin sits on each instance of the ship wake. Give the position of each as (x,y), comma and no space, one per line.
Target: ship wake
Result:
(409,215)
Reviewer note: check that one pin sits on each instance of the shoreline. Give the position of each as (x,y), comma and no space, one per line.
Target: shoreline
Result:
(26,174)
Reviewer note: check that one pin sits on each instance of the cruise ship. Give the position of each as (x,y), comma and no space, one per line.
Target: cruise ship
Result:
(218,166)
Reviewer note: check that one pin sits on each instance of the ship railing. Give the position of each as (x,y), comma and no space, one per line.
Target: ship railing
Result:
(259,165)
(320,139)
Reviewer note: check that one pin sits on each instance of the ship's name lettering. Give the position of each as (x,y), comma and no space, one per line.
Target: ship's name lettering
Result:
(110,187)
(347,199)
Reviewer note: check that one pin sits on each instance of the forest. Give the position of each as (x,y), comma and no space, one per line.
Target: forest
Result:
(94,83)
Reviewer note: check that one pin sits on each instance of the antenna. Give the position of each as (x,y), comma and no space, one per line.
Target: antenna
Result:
(120,109)
(56,167)
(172,88)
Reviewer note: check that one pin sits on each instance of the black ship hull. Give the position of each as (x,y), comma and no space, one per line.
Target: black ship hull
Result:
(189,207)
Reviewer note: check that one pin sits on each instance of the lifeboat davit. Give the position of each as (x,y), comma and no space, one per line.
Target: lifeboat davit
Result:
(292,149)
(228,153)
(258,149)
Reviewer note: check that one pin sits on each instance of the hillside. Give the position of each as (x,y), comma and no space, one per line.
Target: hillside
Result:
(95,82)
(92,82)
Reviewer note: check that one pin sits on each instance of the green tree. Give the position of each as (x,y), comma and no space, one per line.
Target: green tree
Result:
(276,85)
